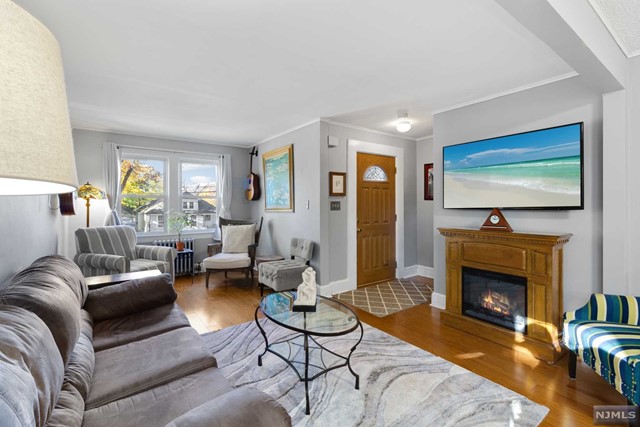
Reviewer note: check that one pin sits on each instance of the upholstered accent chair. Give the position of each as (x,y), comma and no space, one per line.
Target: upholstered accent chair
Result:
(605,334)
(237,248)
(287,274)
(113,250)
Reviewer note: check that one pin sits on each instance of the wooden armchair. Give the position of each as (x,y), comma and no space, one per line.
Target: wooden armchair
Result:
(233,256)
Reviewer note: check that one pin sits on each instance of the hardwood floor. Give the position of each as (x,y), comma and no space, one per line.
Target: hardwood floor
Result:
(234,301)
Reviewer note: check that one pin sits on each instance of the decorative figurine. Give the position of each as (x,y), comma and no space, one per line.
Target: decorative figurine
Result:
(307,290)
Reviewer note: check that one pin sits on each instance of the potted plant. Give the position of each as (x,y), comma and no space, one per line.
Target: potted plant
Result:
(178,221)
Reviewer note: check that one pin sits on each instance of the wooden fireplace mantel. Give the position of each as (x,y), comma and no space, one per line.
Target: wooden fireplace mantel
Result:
(537,257)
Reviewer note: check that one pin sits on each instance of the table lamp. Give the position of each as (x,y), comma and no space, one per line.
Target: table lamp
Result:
(88,192)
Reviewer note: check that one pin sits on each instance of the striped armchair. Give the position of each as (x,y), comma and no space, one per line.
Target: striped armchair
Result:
(113,250)
(605,333)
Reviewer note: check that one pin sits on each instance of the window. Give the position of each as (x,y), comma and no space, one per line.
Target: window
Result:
(199,191)
(143,197)
(154,183)
(375,173)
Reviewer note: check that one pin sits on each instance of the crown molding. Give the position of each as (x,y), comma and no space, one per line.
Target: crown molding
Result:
(354,127)
(278,135)
(424,138)
(508,92)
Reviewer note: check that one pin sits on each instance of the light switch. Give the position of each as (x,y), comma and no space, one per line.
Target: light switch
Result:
(307,204)
(335,206)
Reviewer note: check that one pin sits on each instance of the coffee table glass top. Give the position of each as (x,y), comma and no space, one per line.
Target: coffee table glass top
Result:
(330,318)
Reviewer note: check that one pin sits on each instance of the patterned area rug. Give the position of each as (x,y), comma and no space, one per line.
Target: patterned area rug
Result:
(400,385)
(385,298)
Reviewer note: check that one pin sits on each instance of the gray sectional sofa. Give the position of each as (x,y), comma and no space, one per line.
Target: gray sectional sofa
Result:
(123,355)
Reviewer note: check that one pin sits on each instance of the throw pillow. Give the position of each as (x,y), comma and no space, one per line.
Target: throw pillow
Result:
(237,238)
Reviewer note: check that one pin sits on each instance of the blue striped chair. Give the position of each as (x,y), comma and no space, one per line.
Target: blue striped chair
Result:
(605,333)
(113,250)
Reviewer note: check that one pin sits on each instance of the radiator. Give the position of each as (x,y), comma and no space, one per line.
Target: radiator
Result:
(182,263)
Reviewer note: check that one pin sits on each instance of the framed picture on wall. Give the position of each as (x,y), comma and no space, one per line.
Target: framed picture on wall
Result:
(278,179)
(337,184)
(428,181)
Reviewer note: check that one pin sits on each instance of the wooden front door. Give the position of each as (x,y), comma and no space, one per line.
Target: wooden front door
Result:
(376,222)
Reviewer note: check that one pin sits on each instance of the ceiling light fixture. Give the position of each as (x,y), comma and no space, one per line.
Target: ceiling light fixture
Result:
(403,124)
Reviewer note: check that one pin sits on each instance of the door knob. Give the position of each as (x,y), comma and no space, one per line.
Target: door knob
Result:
(359,230)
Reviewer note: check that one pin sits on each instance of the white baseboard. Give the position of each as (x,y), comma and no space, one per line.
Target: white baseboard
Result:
(438,300)
(425,271)
(336,287)
(417,270)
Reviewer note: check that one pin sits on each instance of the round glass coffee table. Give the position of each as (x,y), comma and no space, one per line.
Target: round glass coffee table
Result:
(306,356)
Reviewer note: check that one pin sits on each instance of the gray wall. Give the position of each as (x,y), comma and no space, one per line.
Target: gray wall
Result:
(424,154)
(337,220)
(279,227)
(29,230)
(88,152)
(633,178)
(555,104)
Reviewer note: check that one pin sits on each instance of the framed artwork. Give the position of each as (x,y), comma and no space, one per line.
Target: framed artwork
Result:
(428,181)
(278,179)
(337,184)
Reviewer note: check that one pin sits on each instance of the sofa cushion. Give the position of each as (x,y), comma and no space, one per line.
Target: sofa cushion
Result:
(31,371)
(160,405)
(53,289)
(142,365)
(137,326)
(69,410)
(130,297)
(79,370)
(237,238)
(227,261)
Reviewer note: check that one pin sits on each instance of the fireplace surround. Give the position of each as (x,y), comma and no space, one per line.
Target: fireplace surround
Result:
(535,260)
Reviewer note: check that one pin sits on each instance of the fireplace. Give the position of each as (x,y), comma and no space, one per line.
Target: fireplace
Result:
(497,298)
(520,308)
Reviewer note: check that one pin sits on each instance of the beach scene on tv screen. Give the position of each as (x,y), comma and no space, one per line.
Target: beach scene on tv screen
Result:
(533,169)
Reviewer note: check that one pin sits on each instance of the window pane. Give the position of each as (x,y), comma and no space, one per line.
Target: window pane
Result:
(199,193)
(145,214)
(142,176)
(375,173)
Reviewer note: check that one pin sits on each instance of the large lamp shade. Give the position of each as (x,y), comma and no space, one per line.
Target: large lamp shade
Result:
(36,146)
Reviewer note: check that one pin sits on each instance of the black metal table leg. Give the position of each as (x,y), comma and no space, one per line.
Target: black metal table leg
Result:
(349,357)
(264,335)
(306,372)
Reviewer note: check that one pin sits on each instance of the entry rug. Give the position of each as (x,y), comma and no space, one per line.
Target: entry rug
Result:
(400,385)
(385,298)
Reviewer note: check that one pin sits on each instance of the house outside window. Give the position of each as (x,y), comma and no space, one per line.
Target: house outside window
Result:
(155,183)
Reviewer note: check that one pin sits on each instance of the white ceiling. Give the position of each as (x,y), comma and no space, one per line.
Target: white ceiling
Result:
(622,19)
(240,71)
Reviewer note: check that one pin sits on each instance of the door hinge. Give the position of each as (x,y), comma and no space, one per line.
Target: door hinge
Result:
(396,263)
(396,217)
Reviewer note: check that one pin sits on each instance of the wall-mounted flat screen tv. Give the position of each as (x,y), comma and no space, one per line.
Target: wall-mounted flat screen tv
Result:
(541,169)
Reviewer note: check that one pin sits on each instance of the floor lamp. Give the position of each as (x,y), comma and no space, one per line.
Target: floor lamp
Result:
(36,152)
(88,192)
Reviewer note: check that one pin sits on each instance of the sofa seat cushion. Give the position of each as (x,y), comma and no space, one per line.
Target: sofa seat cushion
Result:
(227,261)
(611,349)
(132,368)
(137,326)
(162,404)
(141,264)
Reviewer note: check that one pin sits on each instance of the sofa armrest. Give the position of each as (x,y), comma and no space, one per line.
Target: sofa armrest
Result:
(240,407)
(156,253)
(622,309)
(252,252)
(130,297)
(116,263)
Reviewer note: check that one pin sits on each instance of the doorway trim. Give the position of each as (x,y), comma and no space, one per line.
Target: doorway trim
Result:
(354,147)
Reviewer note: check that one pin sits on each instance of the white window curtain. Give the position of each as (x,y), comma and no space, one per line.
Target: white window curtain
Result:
(225,187)
(111,170)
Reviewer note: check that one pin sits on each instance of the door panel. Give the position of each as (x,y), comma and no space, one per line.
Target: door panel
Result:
(376,218)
